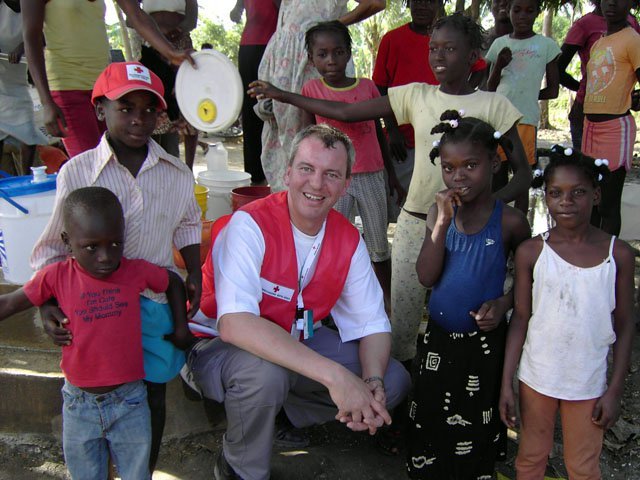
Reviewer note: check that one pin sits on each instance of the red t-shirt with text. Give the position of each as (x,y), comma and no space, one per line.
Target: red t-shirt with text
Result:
(104,318)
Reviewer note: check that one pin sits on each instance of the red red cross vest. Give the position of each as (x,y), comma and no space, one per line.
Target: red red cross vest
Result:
(280,265)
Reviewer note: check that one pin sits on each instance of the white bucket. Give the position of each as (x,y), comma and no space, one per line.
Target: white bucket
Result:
(220,184)
(19,231)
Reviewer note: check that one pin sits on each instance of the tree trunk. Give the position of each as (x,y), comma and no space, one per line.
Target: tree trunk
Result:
(474,9)
(547,31)
(124,33)
(459,6)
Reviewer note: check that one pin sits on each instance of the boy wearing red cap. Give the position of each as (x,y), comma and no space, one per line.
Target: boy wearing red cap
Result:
(156,193)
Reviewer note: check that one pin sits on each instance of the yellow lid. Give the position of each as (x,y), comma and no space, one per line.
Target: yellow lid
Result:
(207,111)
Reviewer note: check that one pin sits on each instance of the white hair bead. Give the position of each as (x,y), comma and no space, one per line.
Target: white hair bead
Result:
(599,177)
(537,172)
(568,152)
(453,123)
(598,162)
(497,135)
(461,112)
(436,143)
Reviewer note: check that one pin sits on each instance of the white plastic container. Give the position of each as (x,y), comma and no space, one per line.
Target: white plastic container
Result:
(25,208)
(220,184)
(209,96)
(217,157)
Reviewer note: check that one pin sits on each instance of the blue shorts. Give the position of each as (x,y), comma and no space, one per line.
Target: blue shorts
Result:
(162,360)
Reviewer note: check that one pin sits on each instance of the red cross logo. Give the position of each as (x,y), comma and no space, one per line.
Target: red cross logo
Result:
(138,70)
(276,289)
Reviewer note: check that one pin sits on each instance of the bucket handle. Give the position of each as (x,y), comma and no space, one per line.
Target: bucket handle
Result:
(4,195)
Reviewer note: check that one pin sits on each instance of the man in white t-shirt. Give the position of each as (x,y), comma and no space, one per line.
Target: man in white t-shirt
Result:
(280,265)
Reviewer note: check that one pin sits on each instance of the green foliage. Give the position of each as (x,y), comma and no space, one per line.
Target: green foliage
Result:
(561,25)
(366,35)
(223,40)
(115,39)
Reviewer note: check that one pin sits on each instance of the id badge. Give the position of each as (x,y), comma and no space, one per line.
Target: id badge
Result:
(303,324)
(297,327)
(307,324)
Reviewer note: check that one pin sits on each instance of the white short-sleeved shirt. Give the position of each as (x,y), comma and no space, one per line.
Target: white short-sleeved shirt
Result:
(237,260)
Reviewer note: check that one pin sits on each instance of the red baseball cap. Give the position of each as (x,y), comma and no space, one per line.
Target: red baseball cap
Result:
(120,78)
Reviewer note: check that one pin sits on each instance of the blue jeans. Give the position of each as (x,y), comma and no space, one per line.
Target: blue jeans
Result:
(94,425)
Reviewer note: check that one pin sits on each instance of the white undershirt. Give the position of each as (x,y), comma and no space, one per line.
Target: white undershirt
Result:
(237,259)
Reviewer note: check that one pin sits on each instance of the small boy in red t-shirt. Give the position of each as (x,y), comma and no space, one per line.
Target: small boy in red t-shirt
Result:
(104,399)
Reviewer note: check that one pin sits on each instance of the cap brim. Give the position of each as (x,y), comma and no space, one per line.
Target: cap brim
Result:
(120,92)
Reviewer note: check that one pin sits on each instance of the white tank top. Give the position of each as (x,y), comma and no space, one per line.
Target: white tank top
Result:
(571,327)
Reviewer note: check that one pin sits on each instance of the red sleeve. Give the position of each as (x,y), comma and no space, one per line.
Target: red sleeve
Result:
(373,90)
(576,34)
(480,64)
(305,89)
(381,76)
(634,23)
(154,277)
(313,89)
(40,288)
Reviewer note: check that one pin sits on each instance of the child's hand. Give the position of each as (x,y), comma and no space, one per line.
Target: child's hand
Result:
(194,292)
(396,186)
(635,100)
(236,14)
(606,410)
(16,54)
(507,406)
(181,338)
(53,322)
(397,145)
(504,58)
(259,89)
(446,199)
(490,314)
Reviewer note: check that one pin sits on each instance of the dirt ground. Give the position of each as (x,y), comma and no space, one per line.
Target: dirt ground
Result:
(334,452)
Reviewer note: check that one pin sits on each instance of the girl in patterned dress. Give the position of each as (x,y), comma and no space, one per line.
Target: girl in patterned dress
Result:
(454,429)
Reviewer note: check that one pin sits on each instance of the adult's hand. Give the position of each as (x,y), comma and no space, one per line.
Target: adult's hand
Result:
(357,405)
(53,322)
(54,120)
(176,57)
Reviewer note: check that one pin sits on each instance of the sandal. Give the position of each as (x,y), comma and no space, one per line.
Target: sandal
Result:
(288,436)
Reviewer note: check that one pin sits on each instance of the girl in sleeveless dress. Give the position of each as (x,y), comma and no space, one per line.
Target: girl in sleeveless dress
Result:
(573,300)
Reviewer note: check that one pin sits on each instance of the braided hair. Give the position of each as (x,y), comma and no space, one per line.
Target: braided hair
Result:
(559,156)
(468,27)
(457,129)
(335,27)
